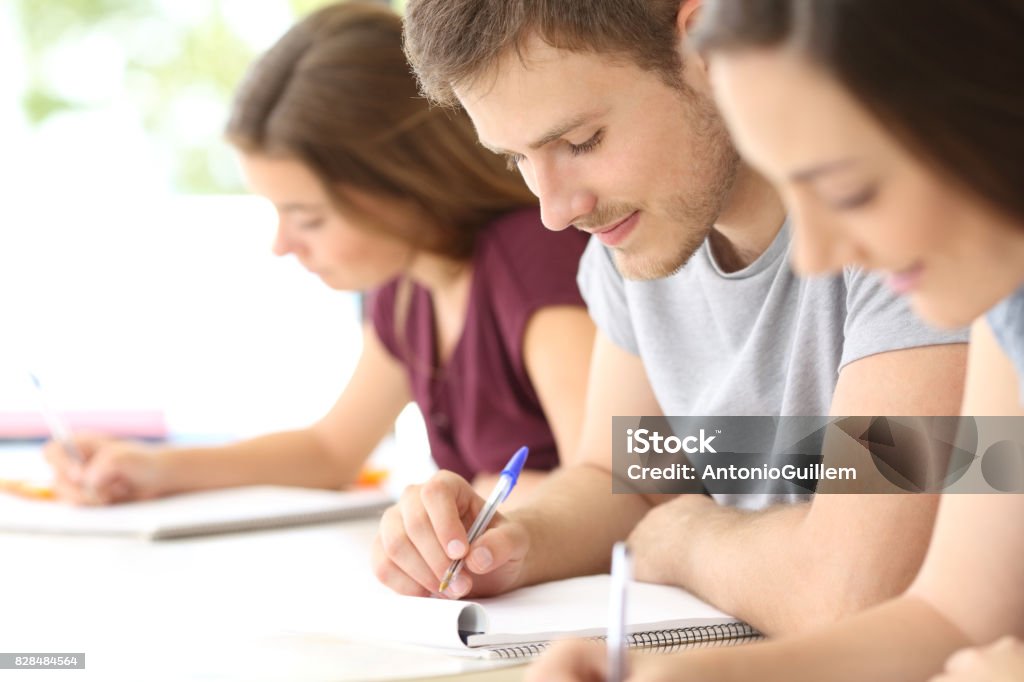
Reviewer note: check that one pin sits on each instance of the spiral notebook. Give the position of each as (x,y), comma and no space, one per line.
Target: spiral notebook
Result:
(523,623)
(201,513)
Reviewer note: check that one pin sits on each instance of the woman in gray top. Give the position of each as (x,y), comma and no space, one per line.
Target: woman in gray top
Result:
(895,133)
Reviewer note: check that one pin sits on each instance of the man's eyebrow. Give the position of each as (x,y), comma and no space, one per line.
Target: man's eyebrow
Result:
(554,133)
(814,172)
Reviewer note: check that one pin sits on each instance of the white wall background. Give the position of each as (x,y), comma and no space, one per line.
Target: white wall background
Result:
(173,303)
(121,293)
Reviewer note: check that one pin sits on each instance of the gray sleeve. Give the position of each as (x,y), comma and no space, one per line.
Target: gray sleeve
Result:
(1006,320)
(604,291)
(878,320)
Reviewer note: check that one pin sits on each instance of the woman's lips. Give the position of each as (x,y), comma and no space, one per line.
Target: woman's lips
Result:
(905,281)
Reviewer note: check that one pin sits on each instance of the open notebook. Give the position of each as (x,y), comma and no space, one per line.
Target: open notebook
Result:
(522,623)
(201,513)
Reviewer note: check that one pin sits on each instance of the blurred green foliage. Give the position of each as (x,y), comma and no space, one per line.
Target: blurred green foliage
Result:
(166,60)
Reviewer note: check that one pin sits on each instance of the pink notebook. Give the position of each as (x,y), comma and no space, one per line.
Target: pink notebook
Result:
(30,425)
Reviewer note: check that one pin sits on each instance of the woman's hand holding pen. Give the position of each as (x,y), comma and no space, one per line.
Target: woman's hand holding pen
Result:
(112,471)
(421,535)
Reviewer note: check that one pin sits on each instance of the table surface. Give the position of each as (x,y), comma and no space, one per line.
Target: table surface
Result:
(265,605)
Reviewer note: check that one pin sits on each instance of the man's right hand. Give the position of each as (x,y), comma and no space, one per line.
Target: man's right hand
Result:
(113,471)
(421,535)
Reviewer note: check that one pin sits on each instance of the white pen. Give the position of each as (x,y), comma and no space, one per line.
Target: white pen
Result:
(616,642)
(58,429)
(506,481)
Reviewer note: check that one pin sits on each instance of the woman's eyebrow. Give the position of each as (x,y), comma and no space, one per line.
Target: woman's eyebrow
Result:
(816,171)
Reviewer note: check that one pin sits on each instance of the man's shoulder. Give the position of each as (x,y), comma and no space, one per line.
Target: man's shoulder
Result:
(865,291)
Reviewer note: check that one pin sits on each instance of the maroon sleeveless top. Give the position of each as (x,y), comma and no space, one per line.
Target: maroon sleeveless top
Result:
(481,406)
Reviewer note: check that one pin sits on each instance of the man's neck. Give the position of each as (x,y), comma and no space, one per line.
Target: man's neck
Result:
(752,217)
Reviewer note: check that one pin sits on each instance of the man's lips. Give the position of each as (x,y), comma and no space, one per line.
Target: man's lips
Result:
(607,228)
(617,232)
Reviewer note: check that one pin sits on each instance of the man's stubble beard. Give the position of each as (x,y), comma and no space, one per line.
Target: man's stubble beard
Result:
(691,214)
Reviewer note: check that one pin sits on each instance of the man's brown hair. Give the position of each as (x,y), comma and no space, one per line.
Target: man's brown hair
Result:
(452,43)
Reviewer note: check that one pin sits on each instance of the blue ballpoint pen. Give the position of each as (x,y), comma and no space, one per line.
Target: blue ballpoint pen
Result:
(506,481)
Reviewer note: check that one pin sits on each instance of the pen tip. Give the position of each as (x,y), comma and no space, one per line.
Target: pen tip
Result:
(443,587)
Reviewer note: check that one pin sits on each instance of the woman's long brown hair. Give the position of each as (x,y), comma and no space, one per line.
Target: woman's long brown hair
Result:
(335,93)
(945,77)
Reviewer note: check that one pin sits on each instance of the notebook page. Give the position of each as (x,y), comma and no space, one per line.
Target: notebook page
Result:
(423,621)
(578,607)
(198,513)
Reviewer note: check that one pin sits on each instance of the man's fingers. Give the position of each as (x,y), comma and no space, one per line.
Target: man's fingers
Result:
(397,550)
(497,547)
(449,500)
(422,535)
(389,574)
(426,531)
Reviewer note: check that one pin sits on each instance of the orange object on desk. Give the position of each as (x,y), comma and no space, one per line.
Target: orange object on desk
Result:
(32,491)
(371,478)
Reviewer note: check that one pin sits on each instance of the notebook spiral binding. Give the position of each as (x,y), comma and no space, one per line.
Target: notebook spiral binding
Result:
(664,641)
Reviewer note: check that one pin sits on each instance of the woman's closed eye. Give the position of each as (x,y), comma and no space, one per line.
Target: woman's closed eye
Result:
(856,199)
(312,224)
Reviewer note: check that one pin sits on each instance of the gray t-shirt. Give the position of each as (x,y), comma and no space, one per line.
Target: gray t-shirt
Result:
(759,341)
(1007,322)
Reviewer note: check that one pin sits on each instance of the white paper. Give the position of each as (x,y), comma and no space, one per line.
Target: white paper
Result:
(225,510)
(424,621)
(576,607)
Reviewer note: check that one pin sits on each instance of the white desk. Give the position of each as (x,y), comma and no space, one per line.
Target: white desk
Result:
(246,606)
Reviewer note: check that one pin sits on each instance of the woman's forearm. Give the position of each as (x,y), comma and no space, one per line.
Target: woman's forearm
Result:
(900,641)
(298,458)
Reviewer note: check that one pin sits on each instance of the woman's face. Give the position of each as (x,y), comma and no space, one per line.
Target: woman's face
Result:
(347,253)
(857,197)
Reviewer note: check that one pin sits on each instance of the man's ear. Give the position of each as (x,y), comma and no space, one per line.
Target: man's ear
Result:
(686,17)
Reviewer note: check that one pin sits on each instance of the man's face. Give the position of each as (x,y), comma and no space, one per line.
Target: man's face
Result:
(611,149)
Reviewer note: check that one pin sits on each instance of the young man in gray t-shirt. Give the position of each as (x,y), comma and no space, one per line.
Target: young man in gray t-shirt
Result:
(608,118)
(755,341)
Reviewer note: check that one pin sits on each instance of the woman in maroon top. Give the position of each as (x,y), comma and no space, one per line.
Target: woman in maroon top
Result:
(473,306)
